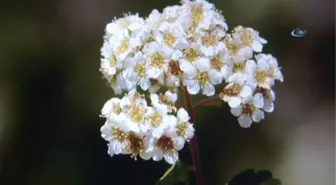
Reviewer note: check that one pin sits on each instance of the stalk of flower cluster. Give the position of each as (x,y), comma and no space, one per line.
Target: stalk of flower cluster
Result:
(193,144)
(206,101)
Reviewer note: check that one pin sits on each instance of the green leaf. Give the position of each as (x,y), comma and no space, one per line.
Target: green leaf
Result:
(177,173)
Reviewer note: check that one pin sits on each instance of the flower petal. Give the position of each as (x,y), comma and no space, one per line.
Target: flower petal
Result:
(237,111)
(245,121)
(268,105)
(234,102)
(258,100)
(208,89)
(183,115)
(179,143)
(172,157)
(215,77)
(246,91)
(203,64)
(258,115)
(193,87)
(257,46)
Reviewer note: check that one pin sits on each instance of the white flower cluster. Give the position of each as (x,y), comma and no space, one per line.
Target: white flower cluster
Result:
(157,131)
(184,46)
(249,92)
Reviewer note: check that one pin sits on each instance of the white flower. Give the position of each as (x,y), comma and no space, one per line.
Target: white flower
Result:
(165,102)
(157,58)
(243,67)
(116,135)
(138,145)
(154,20)
(236,91)
(172,36)
(266,71)
(156,121)
(136,69)
(182,129)
(173,74)
(124,26)
(109,63)
(237,51)
(249,37)
(198,11)
(249,110)
(210,42)
(273,70)
(201,79)
(165,147)
(221,65)
(190,56)
(111,108)
(268,96)
(171,13)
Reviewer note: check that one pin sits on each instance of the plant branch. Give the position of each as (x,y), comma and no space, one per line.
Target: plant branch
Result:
(206,101)
(193,146)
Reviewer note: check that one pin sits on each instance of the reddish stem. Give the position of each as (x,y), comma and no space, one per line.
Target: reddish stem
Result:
(193,146)
(206,101)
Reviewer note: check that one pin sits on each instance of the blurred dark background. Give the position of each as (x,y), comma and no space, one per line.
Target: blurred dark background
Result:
(51,94)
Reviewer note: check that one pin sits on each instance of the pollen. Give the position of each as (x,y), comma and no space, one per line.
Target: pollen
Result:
(248,109)
(271,72)
(165,144)
(196,14)
(233,90)
(123,47)
(155,120)
(157,60)
(169,39)
(260,76)
(217,63)
(116,108)
(246,37)
(190,54)
(238,67)
(181,129)
(136,144)
(113,61)
(174,68)
(140,69)
(202,77)
(233,48)
(136,114)
(119,134)
(209,40)
(264,91)
(163,99)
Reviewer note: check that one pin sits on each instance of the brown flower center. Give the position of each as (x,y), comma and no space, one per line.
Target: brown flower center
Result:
(248,109)
(165,144)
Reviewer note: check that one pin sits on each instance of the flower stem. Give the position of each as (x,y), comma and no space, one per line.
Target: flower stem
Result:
(206,101)
(193,146)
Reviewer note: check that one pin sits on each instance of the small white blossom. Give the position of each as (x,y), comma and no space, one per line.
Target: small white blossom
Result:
(249,37)
(165,102)
(201,79)
(268,96)
(236,91)
(182,128)
(249,110)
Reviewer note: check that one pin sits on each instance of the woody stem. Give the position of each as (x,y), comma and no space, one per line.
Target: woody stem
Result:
(206,101)
(193,146)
